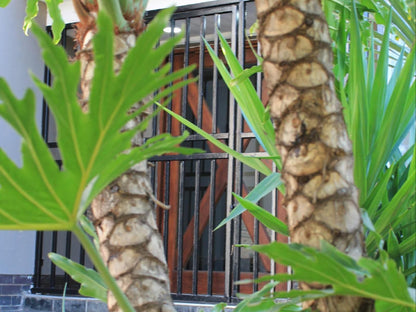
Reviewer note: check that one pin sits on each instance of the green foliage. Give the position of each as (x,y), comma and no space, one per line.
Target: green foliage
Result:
(251,106)
(41,196)
(259,122)
(380,113)
(267,185)
(91,144)
(4,3)
(219,307)
(32,9)
(268,301)
(92,284)
(249,161)
(114,8)
(376,279)
(401,13)
(265,217)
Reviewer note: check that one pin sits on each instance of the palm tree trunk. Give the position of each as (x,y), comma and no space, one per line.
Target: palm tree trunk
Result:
(123,213)
(321,197)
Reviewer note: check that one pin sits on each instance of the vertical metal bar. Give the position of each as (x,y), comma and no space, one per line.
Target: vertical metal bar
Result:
(230,176)
(167,164)
(211,226)
(166,212)
(215,76)
(256,262)
(182,166)
(202,30)
(273,212)
(45,132)
(63,38)
(195,255)
(259,75)
(81,255)
(38,259)
(171,58)
(180,227)
(52,278)
(185,64)
(45,109)
(238,146)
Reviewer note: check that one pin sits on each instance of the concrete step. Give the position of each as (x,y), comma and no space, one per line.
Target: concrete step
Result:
(43,303)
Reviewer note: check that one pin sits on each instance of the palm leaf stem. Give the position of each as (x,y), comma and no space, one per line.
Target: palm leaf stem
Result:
(113,9)
(102,269)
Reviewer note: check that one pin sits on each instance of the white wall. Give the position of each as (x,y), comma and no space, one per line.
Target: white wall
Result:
(69,15)
(19,54)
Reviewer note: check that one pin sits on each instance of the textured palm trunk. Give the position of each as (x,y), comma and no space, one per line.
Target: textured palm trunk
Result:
(123,214)
(321,198)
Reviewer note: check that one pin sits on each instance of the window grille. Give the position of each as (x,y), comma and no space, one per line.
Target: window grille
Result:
(203,263)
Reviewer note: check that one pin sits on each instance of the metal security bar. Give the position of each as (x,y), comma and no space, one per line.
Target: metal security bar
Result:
(203,263)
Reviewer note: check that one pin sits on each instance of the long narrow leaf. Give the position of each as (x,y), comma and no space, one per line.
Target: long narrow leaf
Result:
(92,285)
(249,161)
(246,96)
(357,126)
(388,134)
(392,210)
(265,217)
(266,186)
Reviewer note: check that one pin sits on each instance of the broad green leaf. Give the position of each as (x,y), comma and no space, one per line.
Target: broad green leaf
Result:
(267,185)
(39,195)
(32,9)
(92,285)
(4,3)
(265,217)
(58,24)
(380,280)
(40,204)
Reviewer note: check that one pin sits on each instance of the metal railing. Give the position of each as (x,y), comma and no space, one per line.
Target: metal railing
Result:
(203,263)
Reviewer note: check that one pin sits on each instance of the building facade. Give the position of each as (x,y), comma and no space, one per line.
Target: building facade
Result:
(203,263)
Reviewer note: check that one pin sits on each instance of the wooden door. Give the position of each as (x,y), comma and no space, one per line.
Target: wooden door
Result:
(196,188)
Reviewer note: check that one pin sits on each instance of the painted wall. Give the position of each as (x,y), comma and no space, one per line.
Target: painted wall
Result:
(69,15)
(19,55)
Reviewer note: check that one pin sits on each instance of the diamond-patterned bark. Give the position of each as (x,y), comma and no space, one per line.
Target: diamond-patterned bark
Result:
(123,213)
(321,199)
